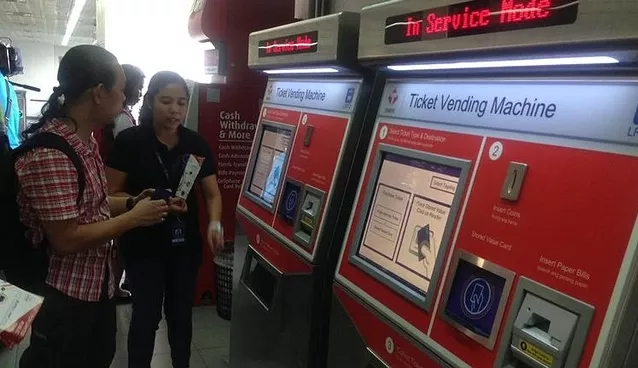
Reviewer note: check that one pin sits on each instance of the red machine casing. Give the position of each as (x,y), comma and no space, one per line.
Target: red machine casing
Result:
(312,165)
(228,112)
(552,219)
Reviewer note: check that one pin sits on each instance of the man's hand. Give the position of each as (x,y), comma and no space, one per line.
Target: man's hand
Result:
(215,236)
(177,206)
(146,193)
(148,213)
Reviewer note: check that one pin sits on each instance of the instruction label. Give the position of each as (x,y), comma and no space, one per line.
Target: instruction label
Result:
(535,353)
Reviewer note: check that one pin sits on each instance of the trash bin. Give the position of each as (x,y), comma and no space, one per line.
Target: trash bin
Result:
(224,272)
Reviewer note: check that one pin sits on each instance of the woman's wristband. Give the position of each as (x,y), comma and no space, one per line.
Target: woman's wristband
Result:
(215,226)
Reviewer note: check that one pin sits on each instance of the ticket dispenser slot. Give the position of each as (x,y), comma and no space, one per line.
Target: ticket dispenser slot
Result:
(545,329)
(308,218)
(261,279)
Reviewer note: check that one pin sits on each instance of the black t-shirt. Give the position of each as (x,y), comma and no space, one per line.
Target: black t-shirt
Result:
(135,153)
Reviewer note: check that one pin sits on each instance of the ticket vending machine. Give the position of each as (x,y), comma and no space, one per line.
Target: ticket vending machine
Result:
(299,188)
(495,224)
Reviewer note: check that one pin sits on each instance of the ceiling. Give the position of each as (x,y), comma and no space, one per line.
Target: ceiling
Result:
(45,21)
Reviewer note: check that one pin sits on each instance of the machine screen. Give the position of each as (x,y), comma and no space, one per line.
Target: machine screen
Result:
(478,17)
(474,298)
(269,166)
(407,219)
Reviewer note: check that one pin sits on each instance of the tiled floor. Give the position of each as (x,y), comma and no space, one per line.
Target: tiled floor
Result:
(211,336)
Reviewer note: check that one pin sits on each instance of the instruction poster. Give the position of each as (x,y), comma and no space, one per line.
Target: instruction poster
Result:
(275,144)
(407,218)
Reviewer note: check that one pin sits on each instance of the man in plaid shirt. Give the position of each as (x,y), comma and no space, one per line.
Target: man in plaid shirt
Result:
(76,325)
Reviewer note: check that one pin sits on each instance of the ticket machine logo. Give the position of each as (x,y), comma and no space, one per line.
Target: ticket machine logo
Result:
(393,97)
(477,298)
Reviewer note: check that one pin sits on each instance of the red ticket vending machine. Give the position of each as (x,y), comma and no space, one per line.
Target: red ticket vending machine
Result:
(496,223)
(299,188)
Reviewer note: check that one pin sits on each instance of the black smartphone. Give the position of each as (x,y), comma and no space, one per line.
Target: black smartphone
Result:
(161,193)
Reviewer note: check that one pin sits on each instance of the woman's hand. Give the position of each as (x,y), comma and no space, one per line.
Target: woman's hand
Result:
(215,236)
(177,206)
(146,193)
(148,213)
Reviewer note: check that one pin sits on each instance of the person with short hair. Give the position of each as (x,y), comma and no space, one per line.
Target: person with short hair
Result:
(76,325)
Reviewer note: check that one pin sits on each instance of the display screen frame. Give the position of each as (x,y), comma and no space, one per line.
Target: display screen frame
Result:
(413,26)
(386,277)
(481,263)
(250,169)
(282,41)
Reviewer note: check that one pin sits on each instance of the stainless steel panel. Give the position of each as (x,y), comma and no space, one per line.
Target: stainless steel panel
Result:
(598,21)
(304,9)
(338,39)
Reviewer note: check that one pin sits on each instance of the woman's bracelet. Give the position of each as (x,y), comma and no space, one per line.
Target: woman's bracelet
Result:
(215,226)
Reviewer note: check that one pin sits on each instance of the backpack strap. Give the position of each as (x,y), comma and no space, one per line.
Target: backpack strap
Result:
(7,112)
(56,142)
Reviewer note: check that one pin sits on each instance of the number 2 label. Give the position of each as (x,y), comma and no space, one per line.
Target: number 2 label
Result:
(496,150)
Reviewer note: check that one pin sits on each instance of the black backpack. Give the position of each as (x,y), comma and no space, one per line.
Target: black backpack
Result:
(24,264)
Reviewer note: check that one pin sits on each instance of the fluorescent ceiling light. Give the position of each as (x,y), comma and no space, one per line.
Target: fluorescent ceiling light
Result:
(78,5)
(583,60)
(302,71)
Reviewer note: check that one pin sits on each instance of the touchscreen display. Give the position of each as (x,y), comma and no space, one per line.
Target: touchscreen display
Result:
(269,165)
(408,215)
(474,298)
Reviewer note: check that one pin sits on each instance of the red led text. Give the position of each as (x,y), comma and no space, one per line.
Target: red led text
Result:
(509,12)
(292,45)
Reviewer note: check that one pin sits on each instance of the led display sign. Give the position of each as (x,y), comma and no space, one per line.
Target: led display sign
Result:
(290,45)
(478,17)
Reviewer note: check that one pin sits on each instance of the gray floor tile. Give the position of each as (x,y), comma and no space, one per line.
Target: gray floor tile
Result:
(121,349)
(8,358)
(215,358)
(161,343)
(206,338)
(162,361)
(206,317)
(119,363)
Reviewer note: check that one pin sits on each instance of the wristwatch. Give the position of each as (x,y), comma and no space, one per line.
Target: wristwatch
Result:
(130,203)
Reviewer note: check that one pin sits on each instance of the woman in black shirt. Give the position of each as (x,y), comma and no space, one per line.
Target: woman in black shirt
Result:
(162,261)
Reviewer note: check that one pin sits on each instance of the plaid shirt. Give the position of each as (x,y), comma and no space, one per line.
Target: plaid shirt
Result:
(48,192)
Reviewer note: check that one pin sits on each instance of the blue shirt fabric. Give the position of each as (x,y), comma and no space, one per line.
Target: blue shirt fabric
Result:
(13,121)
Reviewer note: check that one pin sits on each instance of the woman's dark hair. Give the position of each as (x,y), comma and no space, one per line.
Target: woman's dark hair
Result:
(134,79)
(81,68)
(158,81)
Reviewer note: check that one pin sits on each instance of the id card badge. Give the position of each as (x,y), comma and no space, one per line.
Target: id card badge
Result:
(178,232)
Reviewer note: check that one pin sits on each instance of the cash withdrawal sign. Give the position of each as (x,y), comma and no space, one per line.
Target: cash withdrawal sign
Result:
(472,189)
(301,135)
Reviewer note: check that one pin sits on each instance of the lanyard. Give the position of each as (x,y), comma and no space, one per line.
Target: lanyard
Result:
(159,158)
